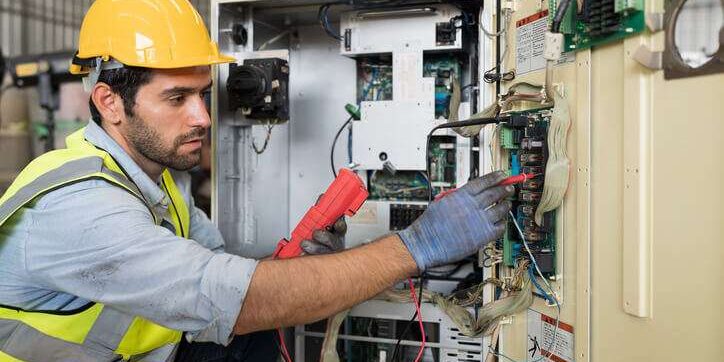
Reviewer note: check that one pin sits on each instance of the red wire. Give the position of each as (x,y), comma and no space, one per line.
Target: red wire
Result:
(419,319)
(283,346)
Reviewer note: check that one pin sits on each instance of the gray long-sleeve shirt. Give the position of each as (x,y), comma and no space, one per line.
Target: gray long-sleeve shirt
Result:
(93,241)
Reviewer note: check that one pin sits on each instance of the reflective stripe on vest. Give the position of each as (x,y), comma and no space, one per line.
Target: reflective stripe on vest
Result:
(95,332)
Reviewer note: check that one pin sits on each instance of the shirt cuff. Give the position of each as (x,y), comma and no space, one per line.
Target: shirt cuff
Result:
(225,283)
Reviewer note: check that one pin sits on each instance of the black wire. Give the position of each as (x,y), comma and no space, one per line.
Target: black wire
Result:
(492,75)
(261,150)
(498,59)
(560,13)
(469,86)
(323,17)
(334,143)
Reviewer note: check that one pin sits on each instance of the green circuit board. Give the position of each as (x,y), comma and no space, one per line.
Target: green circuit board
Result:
(524,138)
(599,22)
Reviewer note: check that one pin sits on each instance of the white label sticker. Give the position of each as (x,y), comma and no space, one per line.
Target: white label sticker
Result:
(530,40)
(541,332)
(567,57)
(407,70)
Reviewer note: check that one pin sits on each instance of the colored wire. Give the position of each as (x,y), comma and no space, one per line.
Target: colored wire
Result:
(550,296)
(421,282)
(530,254)
(334,143)
(283,346)
(419,318)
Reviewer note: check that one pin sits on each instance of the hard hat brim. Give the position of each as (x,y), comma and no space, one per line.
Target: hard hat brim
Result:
(186,63)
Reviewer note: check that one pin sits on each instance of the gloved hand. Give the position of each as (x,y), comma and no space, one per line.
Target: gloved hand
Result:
(460,223)
(326,241)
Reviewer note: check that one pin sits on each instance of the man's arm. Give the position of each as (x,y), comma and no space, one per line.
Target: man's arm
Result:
(281,292)
(117,256)
(301,290)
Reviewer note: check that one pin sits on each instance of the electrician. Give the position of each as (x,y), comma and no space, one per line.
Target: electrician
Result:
(103,255)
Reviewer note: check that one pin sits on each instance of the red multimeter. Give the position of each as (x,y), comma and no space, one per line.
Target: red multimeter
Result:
(344,196)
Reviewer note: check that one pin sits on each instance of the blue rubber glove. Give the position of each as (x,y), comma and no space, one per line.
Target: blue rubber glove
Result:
(460,223)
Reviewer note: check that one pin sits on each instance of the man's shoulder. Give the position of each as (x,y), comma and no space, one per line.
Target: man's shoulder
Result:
(97,193)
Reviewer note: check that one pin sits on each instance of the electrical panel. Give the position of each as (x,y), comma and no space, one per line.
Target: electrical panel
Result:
(405,67)
(404,83)
(395,73)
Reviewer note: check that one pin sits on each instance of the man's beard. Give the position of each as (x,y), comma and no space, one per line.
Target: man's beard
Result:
(148,142)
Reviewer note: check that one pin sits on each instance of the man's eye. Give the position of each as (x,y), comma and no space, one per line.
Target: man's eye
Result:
(178,100)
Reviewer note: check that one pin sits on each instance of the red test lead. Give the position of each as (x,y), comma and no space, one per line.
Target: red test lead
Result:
(512,180)
(517,179)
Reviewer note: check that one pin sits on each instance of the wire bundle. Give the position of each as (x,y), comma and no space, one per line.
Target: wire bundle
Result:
(453,109)
(329,346)
(454,306)
(558,165)
(489,314)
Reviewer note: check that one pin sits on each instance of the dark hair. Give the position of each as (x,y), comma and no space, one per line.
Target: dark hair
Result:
(125,82)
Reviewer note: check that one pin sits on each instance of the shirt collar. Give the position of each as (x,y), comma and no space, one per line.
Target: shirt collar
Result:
(96,135)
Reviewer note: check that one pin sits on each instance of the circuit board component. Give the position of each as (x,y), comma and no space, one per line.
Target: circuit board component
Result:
(374,78)
(590,23)
(525,139)
(444,68)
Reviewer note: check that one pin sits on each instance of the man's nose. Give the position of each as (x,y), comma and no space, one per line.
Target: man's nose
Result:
(199,114)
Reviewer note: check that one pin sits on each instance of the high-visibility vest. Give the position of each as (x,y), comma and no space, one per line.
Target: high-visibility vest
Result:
(94,332)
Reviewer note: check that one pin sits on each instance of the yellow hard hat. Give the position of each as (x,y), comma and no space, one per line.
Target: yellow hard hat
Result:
(145,33)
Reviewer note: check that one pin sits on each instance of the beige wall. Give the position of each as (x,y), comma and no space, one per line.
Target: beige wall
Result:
(686,208)
(668,135)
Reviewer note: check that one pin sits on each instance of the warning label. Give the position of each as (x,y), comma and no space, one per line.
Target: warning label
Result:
(530,39)
(541,332)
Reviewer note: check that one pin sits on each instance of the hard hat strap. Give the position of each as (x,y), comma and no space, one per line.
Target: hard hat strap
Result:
(95,72)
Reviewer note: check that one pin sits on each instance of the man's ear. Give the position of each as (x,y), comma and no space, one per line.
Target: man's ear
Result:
(109,104)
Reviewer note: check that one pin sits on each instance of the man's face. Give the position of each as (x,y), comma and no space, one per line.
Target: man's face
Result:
(170,118)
